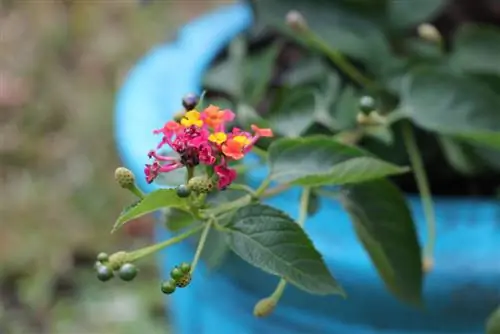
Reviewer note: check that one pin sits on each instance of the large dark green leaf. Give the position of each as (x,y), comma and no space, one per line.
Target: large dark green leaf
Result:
(345,110)
(476,49)
(316,161)
(294,113)
(493,323)
(176,220)
(225,76)
(270,240)
(337,23)
(258,71)
(307,71)
(406,13)
(158,199)
(452,105)
(384,225)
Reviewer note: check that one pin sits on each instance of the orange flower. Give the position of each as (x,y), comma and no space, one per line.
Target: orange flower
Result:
(261,132)
(234,147)
(215,118)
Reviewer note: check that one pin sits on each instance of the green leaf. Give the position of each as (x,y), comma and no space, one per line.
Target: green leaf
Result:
(460,156)
(307,71)
(452,105)
(256,82)
(224,76)
(316,161)
(404,14)
(383,224)
(270,240)
(476,49)
(493,323)
(158,199)
(177,220)
(294,113)
(215,250)
(345,110)
(246,115)
(343,29)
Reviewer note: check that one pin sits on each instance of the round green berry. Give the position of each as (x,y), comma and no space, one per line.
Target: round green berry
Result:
(367,104)
(189,101)
(168,287)
(185,267)
(104,273)
(184,281)
(127,272)
(183,191)
(176,273)
(102,257)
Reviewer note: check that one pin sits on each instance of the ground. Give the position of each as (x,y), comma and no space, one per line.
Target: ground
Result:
(64,61)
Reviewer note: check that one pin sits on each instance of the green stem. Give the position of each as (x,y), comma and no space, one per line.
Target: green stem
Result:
(136,255)
(190,173)
(338,59)
(304,203)
(242,187)
(200,100)
(278,292)
(275,191)
(423,188)
(263,187)
(328,194)
(228,206)
(136,191)
(201,244)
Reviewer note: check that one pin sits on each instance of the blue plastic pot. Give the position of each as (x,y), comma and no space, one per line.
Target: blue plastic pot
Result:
(460,292)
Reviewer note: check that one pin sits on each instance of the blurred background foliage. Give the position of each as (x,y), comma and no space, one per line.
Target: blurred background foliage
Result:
(61,63)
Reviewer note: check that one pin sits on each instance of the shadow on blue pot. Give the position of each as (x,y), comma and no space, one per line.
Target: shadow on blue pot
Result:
(460,292)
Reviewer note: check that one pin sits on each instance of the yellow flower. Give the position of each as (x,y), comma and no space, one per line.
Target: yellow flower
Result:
(192,118)
(243,140)
(218,137)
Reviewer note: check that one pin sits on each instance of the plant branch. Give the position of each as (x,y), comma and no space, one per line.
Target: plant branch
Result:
(135,255)
(263,187)
(342,62)
(201,244)
(275,191)
(423,188)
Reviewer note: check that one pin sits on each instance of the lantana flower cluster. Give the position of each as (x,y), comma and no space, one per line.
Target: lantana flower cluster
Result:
(202,138)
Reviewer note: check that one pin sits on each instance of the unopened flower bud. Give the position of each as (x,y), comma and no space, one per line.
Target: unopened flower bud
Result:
(264,307)
(373,118)
(189,101)
(118,259)
(201,184)
(296,21)
(429,33)
(125,177)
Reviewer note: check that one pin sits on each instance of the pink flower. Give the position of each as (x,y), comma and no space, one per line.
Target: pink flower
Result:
(170,129)
(153,170)
(206,154)
(226,175)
